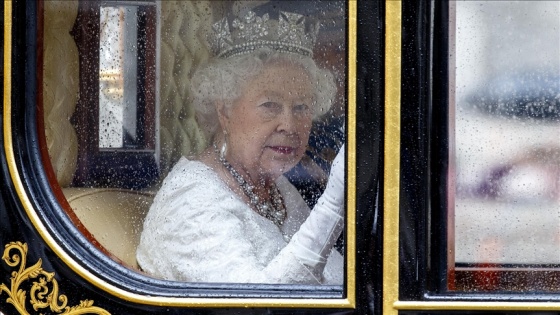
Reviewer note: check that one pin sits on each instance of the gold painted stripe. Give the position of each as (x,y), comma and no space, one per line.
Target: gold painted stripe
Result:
(348,302)
(478,306)
(351,149)
(391,155)
(7,77)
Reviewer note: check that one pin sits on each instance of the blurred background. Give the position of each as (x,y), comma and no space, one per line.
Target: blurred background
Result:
(506,131)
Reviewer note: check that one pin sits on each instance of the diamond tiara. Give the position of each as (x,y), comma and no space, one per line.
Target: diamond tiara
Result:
(252,32)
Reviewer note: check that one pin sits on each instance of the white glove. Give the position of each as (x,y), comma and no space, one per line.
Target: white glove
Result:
(316,237)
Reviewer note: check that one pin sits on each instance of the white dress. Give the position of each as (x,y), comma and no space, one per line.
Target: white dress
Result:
(198,230)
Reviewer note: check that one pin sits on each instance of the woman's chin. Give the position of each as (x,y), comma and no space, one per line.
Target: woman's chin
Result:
(278,162)
(277,169)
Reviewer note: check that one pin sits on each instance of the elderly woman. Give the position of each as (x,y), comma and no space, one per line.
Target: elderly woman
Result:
(229,214)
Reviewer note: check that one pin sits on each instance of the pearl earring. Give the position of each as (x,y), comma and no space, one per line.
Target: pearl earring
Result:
(223,150)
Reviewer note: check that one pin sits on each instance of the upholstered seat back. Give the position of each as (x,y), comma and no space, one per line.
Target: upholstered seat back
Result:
(113,216)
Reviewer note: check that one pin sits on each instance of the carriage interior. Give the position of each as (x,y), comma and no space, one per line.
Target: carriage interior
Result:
(109,206)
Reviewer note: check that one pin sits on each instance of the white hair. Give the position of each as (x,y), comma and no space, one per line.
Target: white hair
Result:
(222,80)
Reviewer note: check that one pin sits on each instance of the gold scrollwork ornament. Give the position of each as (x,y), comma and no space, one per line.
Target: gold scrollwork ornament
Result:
(44,290)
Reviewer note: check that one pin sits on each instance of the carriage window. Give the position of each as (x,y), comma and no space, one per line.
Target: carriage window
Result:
(207,173)
(506,151)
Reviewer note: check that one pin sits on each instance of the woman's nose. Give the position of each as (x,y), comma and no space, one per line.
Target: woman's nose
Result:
(287,122)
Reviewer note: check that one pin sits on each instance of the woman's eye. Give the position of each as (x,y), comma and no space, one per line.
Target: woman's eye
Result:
(301,108)
(273,106)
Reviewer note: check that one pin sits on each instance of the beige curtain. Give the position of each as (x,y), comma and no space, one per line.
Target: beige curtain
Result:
(60,87)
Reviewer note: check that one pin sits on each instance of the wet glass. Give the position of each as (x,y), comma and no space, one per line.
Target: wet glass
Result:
(118,55)
(505,152)
(141,58)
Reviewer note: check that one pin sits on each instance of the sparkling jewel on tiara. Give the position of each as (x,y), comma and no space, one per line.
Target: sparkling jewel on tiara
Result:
(251,32)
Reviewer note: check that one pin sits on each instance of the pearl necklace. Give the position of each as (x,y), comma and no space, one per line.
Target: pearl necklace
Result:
(272,209)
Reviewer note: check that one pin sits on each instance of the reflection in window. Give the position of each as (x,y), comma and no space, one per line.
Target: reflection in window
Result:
(507,135)
(117,75)
(115,116)
(120,51)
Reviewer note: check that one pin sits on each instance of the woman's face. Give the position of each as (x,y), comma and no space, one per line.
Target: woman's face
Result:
(268,125)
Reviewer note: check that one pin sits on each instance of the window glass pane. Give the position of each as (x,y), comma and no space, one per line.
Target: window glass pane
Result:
(248,102)
(507,136)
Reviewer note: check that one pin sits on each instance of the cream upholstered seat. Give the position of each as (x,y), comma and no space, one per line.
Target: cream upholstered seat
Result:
(113,216)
